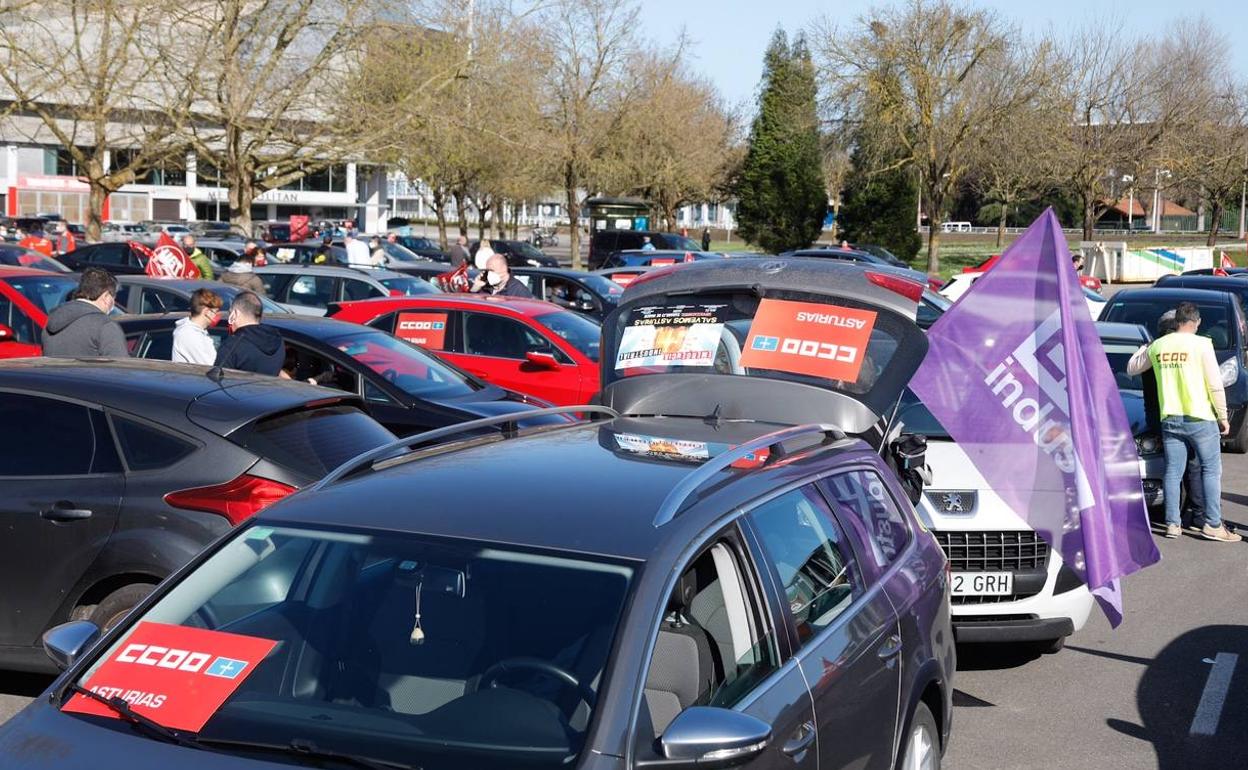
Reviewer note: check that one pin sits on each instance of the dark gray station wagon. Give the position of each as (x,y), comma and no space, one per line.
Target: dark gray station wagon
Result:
(703,577)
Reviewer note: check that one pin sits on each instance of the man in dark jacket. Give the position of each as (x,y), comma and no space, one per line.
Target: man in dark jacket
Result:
(498,280)
(251,346)
(81,327)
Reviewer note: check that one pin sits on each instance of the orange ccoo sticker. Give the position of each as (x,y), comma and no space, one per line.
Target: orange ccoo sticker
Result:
(827,341)
(425,329)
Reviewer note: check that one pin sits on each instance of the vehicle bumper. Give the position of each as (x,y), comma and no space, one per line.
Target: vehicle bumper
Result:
(1035,618)
(1012,629)
(1152,472)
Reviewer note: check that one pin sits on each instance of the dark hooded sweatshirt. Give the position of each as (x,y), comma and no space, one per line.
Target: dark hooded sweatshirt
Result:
(79,330)
(255,348)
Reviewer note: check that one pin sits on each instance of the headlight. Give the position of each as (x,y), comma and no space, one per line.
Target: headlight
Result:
(1229,371)
(1148,444)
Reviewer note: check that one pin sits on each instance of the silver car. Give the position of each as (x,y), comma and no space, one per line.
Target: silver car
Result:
(308,289)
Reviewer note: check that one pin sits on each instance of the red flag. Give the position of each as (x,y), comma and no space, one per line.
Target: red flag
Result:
(455,280)
(167,260)
(298,227)
(1226,261)
(1220,271)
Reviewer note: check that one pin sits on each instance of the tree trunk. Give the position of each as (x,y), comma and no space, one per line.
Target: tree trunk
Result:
(483,211)
(1001,225)
(242,193)
(461,212)
(95,211)
(439,213)
(1215,224)
(574,216)
(932,207)
(1089,217)
(836,219)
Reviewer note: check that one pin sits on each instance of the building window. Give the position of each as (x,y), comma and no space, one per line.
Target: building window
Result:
(206,174)
(170,172)
(57,161)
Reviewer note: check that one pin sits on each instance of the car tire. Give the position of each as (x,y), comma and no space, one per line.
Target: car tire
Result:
(114,607)
(1239,444)
(922,748)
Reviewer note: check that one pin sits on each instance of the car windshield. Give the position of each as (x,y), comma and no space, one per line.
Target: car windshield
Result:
(604,287)
(526,250)
(407,366)
(390,647)
(580,332)
(916,418)
(45,291)
(1119,353)
(398,253)
(20,257)
(1214,318)
(680,243)
(407,286)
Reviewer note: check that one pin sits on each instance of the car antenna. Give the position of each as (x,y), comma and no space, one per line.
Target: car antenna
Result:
(216,374)
(713,419)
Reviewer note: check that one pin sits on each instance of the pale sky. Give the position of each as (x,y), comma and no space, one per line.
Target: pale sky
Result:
(728,37)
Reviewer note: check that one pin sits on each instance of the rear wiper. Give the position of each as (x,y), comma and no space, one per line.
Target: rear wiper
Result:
(302,747)
(123,709)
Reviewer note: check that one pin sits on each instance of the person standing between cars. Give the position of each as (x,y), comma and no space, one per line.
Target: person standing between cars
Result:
(251,346)
(82,327)
(198,257)
(459,251)
(357,251)
(1192,405)
(706,239)
(243,272)
(646,245)
(1076,259)
(378,257)
(498,281)
(1194,506)
(325,254)
(191,343)
(37,241)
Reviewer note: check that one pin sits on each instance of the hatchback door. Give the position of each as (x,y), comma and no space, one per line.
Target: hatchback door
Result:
(63,487)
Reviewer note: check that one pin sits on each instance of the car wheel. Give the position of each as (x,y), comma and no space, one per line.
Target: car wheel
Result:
(923,743)
(1239,444)
(114,607)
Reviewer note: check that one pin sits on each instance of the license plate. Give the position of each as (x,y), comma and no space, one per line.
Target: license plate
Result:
(983,583)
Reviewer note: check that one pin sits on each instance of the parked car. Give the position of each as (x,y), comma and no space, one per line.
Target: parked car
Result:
(1234,284)
(852,255)
(931,307)
(403,387)
(1139,400)
(735,593)
(656,258)
(518,253)
(1222,320)
(142,294)
(955,287)
(26,297)
(309,289)
(303,252)
(591,295)
(1210,271)
(423,247)
(18,256)
(522,345)
(622,276)
(880,252)
(124,470)
(117,257)
(604,243)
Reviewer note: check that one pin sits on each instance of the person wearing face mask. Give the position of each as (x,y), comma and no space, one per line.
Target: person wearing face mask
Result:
(498,280)
(82,328)
(191,343)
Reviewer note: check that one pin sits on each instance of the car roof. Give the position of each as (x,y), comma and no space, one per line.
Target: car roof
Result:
(13,271)
(1121,331)
(1236,283)
(562,272)
(521,306)
(537,506)
(1152,294)
(161,390)
(317,327)
(342,271)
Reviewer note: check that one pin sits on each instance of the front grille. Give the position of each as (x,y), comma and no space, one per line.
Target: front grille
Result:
(1002,551)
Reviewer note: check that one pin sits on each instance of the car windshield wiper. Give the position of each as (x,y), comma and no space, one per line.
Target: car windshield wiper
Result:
(123,709)
(302,747)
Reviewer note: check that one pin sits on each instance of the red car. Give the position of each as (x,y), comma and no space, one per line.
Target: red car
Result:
(525,345)
(26,297)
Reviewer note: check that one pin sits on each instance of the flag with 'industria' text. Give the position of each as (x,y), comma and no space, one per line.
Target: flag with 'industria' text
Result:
(1016,373)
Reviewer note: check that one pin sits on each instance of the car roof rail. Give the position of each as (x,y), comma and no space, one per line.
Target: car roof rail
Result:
(691,483)
(367,458)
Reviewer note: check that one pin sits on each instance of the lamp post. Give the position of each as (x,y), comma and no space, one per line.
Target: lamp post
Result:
(1130,182)
(1157,175)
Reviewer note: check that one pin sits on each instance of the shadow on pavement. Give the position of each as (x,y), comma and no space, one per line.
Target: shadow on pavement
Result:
(24,684)
(1170,691)
(993,657)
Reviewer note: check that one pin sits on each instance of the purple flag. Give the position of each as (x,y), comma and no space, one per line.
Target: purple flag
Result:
(1016,373)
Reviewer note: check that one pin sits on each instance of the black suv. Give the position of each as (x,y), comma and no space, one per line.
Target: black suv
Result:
(608,242)
(694,582)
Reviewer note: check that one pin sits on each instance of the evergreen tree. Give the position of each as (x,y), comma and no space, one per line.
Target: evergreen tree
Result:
(881,208)
(780,190)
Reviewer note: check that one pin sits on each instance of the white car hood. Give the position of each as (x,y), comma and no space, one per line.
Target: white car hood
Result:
(952,473)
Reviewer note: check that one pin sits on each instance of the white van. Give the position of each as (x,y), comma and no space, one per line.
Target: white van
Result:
(955,227)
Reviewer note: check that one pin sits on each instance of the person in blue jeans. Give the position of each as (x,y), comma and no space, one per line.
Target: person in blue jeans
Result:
(1192,403)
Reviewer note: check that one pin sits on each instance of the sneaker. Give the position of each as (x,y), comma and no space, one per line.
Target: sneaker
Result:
(1172,531)
(1220,534)
(1193,526)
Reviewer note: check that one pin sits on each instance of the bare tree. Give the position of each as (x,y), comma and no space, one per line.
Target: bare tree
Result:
(936,78)
(91,77)
(836,168)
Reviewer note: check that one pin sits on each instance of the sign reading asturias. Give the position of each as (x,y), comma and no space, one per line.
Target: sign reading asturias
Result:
(827,341)
(425,329)
(176,675)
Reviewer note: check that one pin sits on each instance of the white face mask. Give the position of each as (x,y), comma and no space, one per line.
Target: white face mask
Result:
(493,278)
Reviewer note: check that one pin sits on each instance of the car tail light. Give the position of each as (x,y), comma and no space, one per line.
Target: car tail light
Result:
(236,500)
(903,286)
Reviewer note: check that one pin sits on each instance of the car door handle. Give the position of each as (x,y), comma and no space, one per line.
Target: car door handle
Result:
(890,647)
(801,739)
(62,510)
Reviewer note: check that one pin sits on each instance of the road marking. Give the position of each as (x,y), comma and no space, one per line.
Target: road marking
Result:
(1209,711)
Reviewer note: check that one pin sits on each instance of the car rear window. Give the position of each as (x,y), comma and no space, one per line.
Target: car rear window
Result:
(45,291)
(1215,322)
(313,441)
(147,448)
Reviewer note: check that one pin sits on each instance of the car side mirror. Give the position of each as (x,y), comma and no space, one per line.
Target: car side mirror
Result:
(705,736)
(64,643)
(7,334)
(542,360)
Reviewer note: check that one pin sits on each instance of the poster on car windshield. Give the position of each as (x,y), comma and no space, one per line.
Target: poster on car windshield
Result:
(425,329)
(175,675)
(671,335)
(813,338)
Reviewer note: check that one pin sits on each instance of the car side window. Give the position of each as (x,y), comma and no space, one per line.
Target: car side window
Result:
(810,556)
(146,448)
(384,322)
(311,291)
(353,289)
(275,284)
(16,319)
(161,301)
(491,335)
(714,644)
(865,503)
(108,254)
(58,438)
(303,364)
